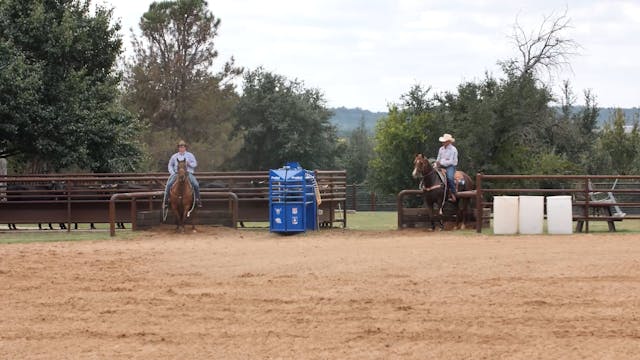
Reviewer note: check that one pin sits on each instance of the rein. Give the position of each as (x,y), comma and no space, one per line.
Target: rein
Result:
(430,172)
(435,185)
(432,187)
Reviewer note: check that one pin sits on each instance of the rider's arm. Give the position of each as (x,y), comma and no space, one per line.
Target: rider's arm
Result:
(172,165)
(191,160)
(439,157)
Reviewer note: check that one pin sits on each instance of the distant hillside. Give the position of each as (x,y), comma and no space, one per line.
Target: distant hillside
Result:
(346,120)
(630,115)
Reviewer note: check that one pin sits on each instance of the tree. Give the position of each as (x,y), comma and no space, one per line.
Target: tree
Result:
(356,154)
(473,120)
(574,130)
(502,126)
(280,121)
(59,102)
(399,136)
(545,48)
(498,124)
(618,150)
(171,84)
(19,98)
(523,118)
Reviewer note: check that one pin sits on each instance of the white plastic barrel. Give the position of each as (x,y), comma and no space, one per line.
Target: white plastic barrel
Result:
(530,214)
(505,214)
(559,215)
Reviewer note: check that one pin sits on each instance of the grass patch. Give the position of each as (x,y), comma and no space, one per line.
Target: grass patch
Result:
(361,220)
(27,233)
(372,220)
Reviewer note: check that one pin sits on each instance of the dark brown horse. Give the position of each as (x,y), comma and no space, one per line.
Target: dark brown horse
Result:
(181,197)
(433,183)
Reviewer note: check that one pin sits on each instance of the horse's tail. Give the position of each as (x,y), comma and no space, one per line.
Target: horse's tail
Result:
(468,182)
(462,178)
(193,201)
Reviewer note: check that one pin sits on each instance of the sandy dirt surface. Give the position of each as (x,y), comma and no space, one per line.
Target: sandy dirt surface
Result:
(333,294)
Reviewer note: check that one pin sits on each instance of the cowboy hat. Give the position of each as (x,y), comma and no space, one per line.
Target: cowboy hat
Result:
(446,137)
(182,142)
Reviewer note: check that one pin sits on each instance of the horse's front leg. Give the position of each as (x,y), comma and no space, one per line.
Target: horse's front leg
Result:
(433,225)
(431,218)
(438,219)
(429,209)
(186,219)
(178,221)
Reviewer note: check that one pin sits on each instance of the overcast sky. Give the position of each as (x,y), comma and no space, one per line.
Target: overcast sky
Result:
(367,53)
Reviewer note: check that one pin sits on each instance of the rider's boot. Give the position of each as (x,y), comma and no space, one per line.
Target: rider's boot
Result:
(198,203)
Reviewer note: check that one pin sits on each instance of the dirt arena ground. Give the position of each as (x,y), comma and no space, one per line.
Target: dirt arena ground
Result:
(333,294)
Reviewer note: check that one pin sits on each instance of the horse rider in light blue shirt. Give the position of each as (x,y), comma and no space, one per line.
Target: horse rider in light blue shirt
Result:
(192,163)
(448,159)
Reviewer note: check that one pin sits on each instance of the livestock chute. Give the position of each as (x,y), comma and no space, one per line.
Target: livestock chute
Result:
(293,200)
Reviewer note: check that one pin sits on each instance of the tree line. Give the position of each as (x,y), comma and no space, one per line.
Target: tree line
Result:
(66,104)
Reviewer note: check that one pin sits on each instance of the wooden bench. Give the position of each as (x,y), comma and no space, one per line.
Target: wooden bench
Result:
(602,212)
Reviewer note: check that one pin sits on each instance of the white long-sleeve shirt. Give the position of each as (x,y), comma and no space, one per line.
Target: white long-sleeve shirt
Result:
(448,156)
(192,163)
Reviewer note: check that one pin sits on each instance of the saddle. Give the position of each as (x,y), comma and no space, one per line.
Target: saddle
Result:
(458,178)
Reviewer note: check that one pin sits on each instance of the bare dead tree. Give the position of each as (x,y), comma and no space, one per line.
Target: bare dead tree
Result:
(547,48)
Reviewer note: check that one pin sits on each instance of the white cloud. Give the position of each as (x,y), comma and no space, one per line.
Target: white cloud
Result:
(368,53)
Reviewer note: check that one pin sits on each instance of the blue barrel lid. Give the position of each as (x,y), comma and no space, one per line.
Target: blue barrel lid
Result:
(293,165)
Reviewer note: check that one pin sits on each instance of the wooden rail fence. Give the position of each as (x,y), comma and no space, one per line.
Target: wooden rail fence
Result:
(623,191)
(87,198)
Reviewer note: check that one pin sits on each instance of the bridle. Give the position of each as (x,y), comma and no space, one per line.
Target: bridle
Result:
(426,170)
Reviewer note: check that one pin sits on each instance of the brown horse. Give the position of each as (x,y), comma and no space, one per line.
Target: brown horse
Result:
(433,183)
(181,197)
